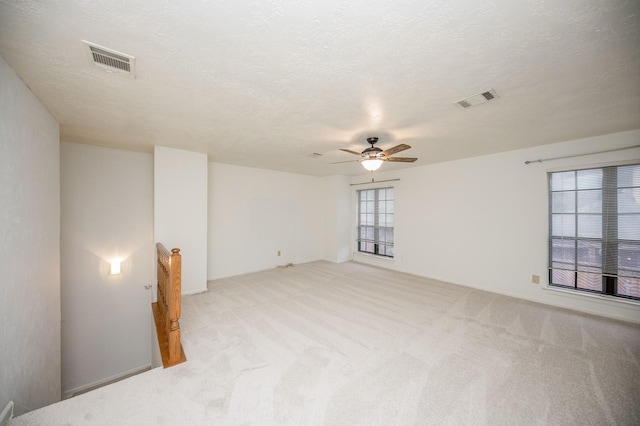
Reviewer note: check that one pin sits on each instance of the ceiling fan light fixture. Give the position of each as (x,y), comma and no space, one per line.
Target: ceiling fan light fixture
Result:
(372,165)
(373,157)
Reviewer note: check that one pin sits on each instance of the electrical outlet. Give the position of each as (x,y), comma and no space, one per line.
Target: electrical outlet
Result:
(278,252)
(535,279)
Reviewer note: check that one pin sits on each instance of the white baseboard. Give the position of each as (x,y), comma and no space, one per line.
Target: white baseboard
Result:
(7,414)
(103,382)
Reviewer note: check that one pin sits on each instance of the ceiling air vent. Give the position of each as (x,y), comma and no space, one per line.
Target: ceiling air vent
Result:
(110,60)
(478,99)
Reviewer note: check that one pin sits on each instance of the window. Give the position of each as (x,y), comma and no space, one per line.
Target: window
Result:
(594,230)
(375,221)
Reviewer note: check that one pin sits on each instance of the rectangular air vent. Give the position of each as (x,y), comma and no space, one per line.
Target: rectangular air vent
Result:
(478,99)
(110,60)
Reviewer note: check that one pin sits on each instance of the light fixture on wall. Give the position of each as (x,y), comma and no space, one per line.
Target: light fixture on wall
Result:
(115,266)
(372,164)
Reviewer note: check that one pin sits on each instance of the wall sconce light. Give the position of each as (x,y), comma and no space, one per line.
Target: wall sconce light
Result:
(115,266)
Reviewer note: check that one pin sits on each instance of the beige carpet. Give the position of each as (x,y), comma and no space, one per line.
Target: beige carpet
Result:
(349,344)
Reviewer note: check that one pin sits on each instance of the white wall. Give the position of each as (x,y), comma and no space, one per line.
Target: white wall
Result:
(29,248)
(106,212)
(254,213)
(180,209)
(482,222)
(337,231)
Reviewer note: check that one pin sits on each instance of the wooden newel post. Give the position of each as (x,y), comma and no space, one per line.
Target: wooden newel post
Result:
(175,303)
(167,310)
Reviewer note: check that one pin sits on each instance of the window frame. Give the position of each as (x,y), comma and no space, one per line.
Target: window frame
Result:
(608,273)
(378,243)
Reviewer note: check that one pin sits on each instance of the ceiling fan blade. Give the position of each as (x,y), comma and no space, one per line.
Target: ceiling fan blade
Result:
(400,159)
(397,148)
(350,152)
(349,161)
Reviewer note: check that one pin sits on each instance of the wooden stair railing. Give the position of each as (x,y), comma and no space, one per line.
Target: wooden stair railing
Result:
(167,309)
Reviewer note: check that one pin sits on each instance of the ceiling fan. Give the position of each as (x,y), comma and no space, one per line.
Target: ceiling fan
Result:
(373,157)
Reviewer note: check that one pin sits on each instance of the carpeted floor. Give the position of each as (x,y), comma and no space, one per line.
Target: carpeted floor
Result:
(348,344)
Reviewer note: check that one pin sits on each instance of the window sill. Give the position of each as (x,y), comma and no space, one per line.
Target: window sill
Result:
(593,295)
(369,256)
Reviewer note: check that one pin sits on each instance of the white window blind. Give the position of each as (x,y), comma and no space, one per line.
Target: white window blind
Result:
(594,230)
(375,221)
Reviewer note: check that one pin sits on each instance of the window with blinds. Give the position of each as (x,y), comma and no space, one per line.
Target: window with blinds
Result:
(594,230)
(375,221)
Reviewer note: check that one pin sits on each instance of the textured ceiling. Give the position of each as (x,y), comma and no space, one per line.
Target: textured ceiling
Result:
(266,83)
